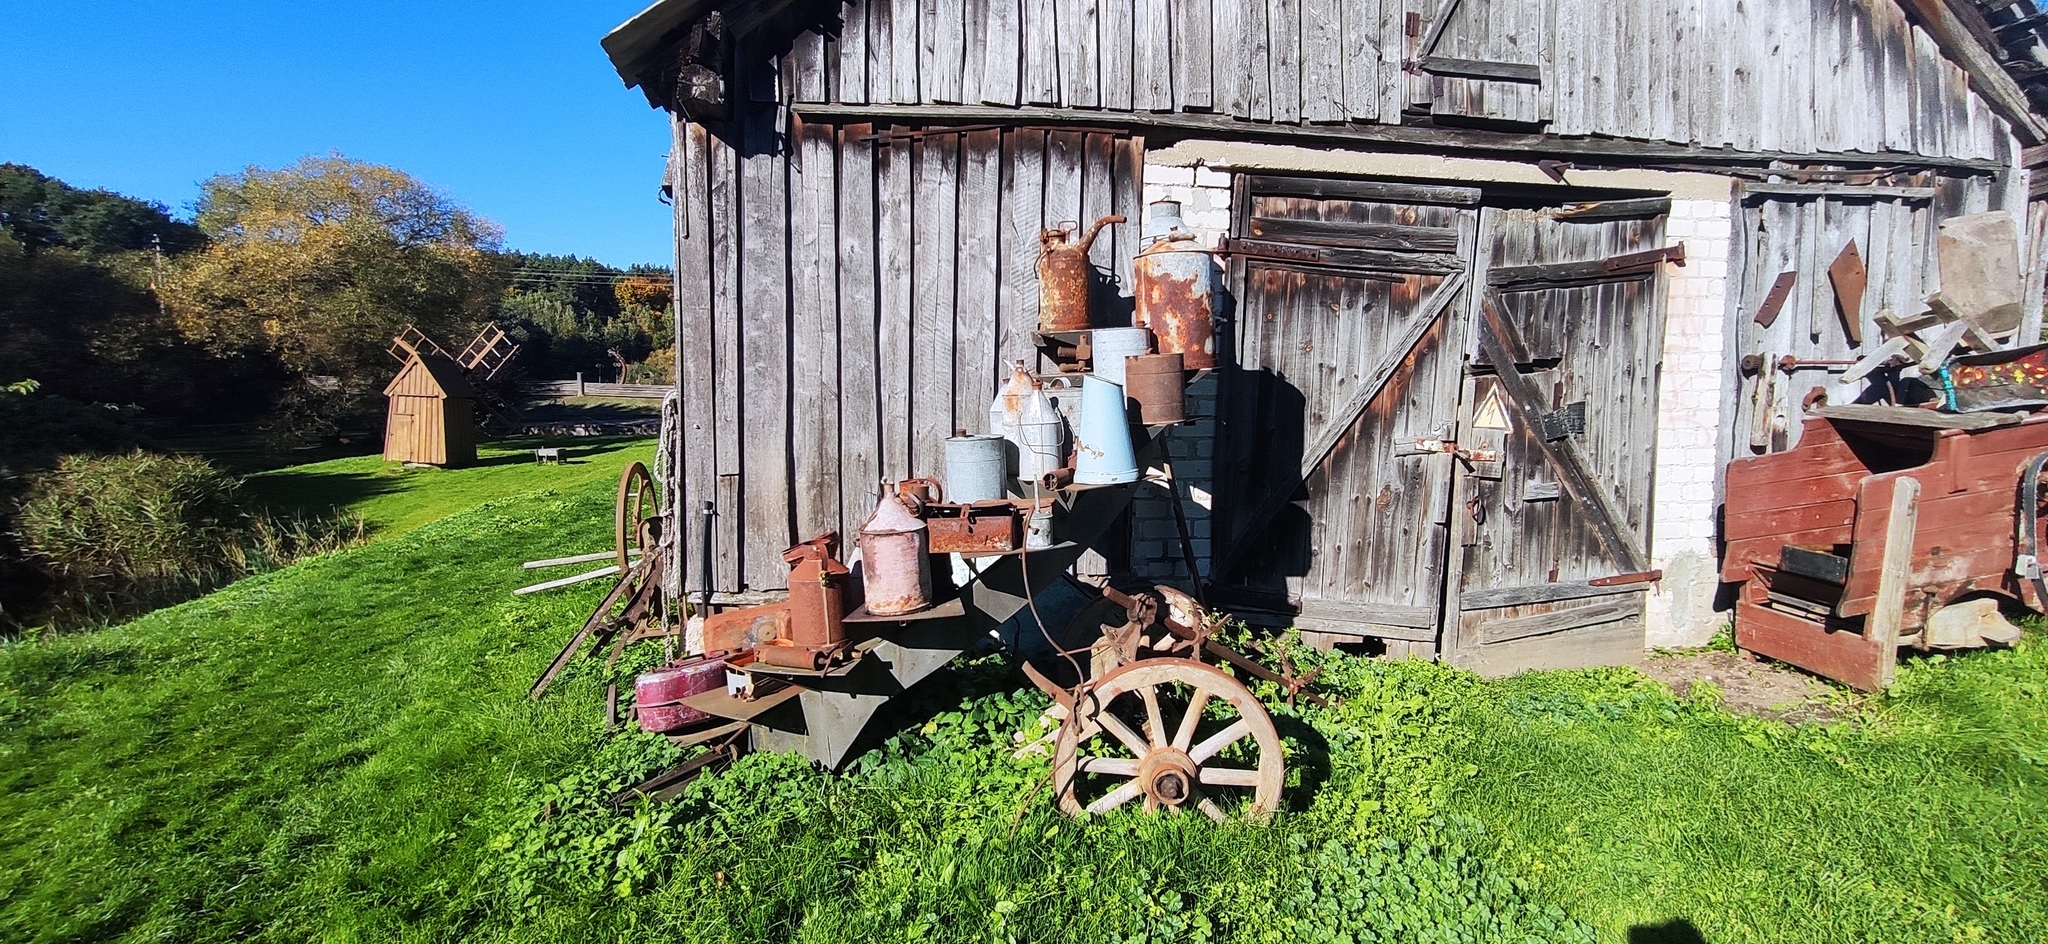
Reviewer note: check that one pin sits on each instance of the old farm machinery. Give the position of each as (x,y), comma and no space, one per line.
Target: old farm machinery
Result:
(1149,710)
(1152,709)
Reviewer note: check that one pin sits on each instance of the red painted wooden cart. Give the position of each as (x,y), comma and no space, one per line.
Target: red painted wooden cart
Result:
(1885,527)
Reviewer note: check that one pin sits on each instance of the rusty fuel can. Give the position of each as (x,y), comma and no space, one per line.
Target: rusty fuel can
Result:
(895,550)
(1156,387)
(1176,288)
(817,593)
(658,695)
(1064,275)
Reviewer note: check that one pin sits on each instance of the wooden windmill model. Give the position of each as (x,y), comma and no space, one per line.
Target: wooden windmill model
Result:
(431,414)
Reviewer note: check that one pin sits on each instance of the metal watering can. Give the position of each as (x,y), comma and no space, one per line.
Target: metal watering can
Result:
(1063,276)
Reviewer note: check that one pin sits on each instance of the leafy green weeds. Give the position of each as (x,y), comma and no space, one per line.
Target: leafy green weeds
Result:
(342,750)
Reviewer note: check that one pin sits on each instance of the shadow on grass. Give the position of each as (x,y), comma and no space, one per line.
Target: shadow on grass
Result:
(1674,931)
(319,493)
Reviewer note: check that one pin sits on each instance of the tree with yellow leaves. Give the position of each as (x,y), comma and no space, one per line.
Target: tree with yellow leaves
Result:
(318,263)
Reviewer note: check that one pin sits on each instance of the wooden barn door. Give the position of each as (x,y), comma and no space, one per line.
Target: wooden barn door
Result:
(1483,60)
(1559,425)
(1350,315)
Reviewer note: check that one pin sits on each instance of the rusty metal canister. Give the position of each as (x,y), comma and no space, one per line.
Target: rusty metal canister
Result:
(658,695)
(896,560)
(817,592)
(1156,386)
(1112,345)
(1176,288)
(976,468)
(1103,453)
(1064,275)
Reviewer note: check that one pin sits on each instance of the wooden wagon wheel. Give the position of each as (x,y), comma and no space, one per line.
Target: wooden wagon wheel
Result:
(1142,732)
(634,514)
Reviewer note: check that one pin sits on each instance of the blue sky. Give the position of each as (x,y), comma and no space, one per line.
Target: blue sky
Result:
(509,107)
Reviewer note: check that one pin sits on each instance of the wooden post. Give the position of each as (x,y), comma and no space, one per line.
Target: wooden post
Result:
(1881,628)
(579,383)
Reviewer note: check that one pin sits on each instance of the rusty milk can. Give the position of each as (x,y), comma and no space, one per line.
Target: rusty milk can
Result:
(1176,288)
(817,592)
(1157,385)
(1063,277)
(895,555)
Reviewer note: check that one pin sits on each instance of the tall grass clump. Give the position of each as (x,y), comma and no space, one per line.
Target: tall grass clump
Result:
(121,534)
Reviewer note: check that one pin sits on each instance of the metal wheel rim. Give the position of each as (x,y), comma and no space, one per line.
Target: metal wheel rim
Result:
(629,512)
(1164,744)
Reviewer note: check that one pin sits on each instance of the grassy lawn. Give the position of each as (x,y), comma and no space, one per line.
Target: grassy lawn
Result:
(394,499)
(342,751)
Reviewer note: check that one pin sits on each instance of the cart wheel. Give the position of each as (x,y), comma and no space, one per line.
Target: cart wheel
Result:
(638,506)
(1162,748)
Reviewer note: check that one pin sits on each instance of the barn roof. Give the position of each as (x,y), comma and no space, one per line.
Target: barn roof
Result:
(632,44)
(428,374)
(2002,55)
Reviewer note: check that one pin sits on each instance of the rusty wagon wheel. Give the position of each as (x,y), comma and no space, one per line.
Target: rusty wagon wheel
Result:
(634,514)
(1143,732)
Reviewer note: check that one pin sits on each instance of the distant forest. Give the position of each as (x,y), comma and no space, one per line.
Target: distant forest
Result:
(280,283)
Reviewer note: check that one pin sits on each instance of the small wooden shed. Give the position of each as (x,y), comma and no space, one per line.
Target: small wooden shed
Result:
(431,418)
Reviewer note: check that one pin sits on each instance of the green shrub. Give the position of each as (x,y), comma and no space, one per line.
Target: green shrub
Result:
(139,517)
(120,534)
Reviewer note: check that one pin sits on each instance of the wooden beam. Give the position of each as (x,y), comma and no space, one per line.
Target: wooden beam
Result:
(1835,191)
(1421,137)
(1524,72)
(1881,627)
(1542,593)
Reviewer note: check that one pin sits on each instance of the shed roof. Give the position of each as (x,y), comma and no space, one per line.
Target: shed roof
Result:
(430,375)
(631,44)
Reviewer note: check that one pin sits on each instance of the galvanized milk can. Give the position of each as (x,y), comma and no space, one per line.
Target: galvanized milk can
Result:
(1041,437)
(1103,454)
(976,469)
(1063,277)
(1112,345)
(1156,384)
(1176,288)
(895,555)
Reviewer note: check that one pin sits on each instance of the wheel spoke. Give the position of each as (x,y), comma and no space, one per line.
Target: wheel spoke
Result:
(1209,806)
(1229,777)
(1123,732)
(1155,725)
(1220,740)
(1110,766)
(1185,737)
(1121,795)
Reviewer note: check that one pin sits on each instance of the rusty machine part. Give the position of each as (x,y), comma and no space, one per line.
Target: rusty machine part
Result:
(747,627)
(636,515)
(817,593)
(1064,275)
(1145,732)
(1176,290)
(1157,385)
(983,527)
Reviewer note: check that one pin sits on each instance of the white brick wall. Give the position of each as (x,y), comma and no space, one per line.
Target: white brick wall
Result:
(1688,424)
(1204,197)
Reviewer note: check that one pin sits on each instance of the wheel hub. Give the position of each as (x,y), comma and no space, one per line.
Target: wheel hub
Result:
(1167,776)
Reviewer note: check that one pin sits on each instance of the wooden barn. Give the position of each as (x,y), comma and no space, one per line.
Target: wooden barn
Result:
(430,418)
(1538,231)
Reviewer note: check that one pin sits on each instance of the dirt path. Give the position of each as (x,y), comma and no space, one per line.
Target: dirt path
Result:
(1763,689)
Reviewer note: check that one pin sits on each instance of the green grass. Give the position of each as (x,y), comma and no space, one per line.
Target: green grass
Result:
(342,751)
(394,499)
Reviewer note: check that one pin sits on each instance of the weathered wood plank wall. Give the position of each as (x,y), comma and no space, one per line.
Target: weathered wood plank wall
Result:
(849,293)
(1793,229)
(1789,76)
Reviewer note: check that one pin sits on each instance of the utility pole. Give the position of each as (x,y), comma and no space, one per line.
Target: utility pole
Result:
(156,279)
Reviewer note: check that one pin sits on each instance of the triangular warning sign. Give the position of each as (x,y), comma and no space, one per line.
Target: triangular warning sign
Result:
(1492,414)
